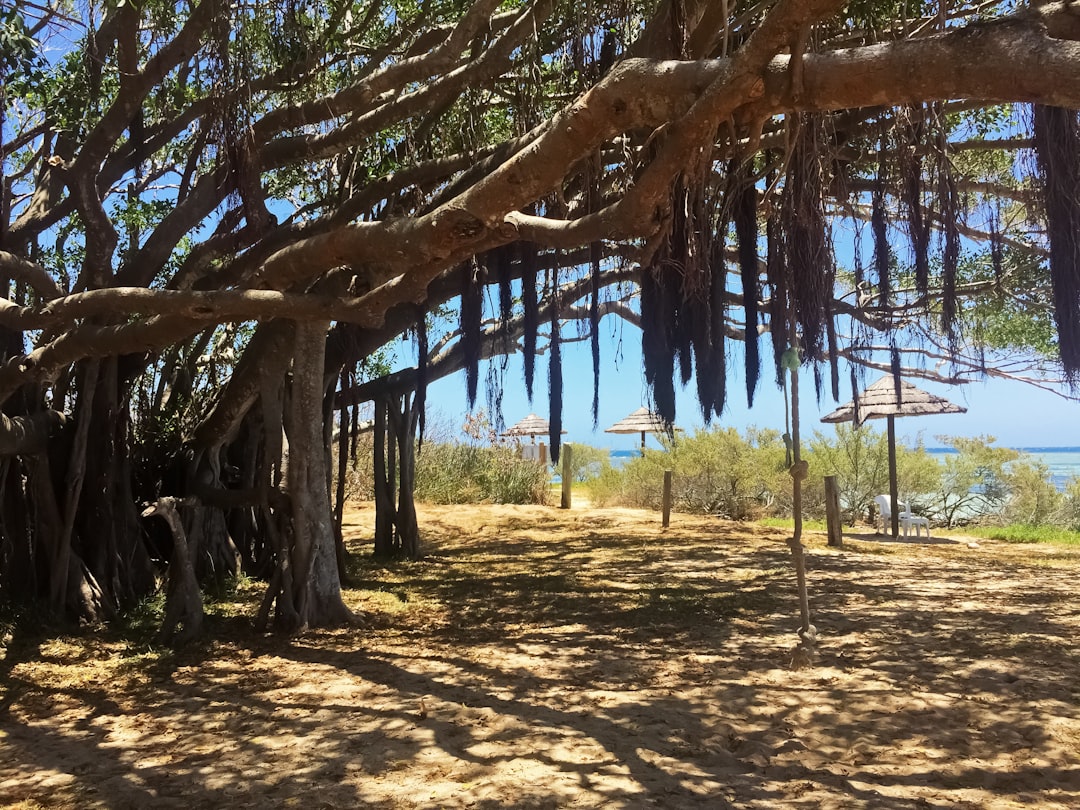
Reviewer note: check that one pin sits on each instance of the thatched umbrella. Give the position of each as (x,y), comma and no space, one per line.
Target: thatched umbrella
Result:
(889,398)
(641,421)
(531,425)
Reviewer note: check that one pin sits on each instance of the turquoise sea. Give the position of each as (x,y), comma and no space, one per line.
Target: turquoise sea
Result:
(1063,462)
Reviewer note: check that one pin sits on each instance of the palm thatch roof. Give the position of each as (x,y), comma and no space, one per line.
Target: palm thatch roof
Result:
(531,425)
(640,421)
(891,397)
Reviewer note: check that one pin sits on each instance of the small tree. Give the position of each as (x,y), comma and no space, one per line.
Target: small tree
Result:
(859,458)
(974,480)
(1069,514)
(1033,498)
(716,472)
(588,462)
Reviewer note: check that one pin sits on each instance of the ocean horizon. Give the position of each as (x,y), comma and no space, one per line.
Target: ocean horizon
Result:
(1062,462)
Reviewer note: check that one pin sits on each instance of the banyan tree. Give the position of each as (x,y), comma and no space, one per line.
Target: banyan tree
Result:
(215,216)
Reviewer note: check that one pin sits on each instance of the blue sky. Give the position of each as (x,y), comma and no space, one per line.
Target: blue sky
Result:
(1017,414)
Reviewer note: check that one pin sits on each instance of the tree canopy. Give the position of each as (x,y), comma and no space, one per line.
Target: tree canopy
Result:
(215,215)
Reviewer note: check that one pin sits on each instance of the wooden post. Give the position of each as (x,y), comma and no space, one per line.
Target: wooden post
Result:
(667,498)
(567,481)
(832,512)
(893,496)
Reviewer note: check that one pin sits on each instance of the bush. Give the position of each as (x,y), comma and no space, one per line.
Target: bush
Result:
(359,473)
(974,482)
(714,472)
(859,458)
(1069,514)
(587,462)
(1033,499)
(449,473)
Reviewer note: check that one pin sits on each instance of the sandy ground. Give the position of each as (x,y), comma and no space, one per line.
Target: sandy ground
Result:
(585,658)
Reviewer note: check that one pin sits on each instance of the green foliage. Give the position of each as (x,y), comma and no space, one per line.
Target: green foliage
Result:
(587,462)
(1069,514)
(1033,499)
(974,480)
(1012,316)
(448,473)
(859,458)
(1023,533)
(715,472)
(19,51)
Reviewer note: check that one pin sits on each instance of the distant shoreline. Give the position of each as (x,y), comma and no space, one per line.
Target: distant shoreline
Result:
(1062,449)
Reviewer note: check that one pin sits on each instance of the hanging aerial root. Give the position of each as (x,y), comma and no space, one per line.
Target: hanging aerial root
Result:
(810,269)
(504,269)
(948,198)
(910,140)
(420,404)
(594,327)
(716,368)
(472,313)
(531,313)
(746,230)
(879,223)
(1057,147)
(555,377)
(776,276)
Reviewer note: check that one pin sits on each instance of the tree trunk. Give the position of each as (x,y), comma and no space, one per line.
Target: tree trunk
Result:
(403,420)
(384,500)
(213,554)
(316,585)
(73,591)
(106,531)
(183,600)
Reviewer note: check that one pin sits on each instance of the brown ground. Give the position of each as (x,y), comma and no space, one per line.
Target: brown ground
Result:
(545,658)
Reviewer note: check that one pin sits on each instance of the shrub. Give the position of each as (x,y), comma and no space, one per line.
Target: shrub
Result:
(449,473)
(714,472)
(974,480)
(587,462)
(1033,499)
(1069,514)
(859,458)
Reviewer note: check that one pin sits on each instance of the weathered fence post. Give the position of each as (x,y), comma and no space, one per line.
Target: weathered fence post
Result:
(667,498)
(832,512)
(567,476)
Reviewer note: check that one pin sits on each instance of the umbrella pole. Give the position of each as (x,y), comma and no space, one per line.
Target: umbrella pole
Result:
(643,442)
(893,490)
(798,473)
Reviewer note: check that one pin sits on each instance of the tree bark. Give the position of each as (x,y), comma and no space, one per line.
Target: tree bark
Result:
(384,500)
(316,586)
(403,419)
(183,601)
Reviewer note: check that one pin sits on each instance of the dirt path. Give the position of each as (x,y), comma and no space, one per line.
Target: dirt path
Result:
(544,658)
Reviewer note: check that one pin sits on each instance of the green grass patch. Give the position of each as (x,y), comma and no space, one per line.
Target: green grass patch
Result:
(789,523)
(1021,533)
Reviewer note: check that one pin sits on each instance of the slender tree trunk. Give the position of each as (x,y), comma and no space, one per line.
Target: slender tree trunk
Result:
(384,500)
(108,534)
(316,584)
(403,418)
(343,446)
(183,601)
(212,551)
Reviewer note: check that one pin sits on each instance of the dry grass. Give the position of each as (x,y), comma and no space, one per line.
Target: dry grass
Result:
(547,658)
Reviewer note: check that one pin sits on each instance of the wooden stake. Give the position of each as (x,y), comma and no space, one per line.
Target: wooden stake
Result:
(667,498)
(567,483)
(832,512)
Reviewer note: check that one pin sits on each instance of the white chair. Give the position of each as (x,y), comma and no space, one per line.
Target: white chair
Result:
(906,518)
